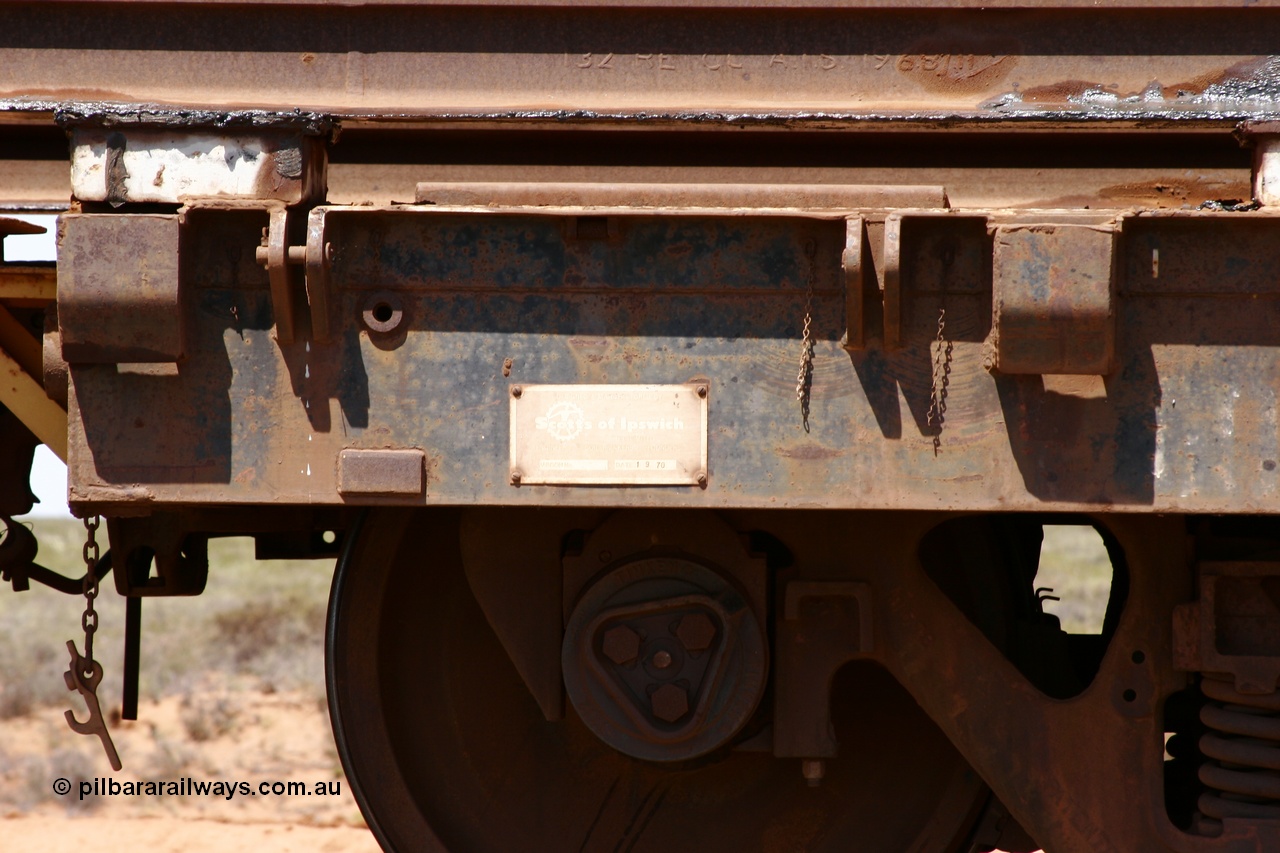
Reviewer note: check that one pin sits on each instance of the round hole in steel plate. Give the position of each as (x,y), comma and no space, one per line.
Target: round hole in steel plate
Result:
(383,313)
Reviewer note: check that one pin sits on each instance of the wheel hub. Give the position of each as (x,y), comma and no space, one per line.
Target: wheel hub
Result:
(664,659)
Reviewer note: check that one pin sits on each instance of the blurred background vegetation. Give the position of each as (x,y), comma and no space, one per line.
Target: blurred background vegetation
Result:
(261,624)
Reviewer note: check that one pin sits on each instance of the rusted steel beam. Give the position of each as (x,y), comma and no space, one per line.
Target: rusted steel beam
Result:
(720,65)
(1065,168)
(491,299)
(751,198)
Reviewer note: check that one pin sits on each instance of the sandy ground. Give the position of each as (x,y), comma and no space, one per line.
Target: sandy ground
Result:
(165,834)
(217,735)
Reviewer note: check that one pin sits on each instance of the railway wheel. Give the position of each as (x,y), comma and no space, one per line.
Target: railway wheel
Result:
(446,749)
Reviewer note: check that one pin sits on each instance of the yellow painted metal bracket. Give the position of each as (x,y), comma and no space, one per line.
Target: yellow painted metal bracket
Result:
(23,346)
(25,397)
(28,283)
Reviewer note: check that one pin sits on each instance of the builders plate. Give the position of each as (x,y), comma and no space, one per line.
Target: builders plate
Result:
(609,435)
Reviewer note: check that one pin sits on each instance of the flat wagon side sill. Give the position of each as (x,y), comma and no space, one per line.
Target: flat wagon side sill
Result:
(960,359)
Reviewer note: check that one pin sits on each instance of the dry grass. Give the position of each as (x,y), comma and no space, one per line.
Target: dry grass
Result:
(261,623)
(232,683)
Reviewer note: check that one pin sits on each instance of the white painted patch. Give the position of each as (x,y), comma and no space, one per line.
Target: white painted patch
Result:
(1266,176)
(168,167)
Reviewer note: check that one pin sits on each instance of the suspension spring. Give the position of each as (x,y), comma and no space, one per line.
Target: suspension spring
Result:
(1242,755)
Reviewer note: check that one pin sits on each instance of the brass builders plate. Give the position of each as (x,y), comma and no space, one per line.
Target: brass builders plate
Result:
(609,435)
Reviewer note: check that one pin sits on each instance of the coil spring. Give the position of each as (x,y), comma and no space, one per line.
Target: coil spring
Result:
(1242,755)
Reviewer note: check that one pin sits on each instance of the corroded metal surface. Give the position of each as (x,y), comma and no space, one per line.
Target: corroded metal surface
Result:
(1055,166)
(750,198)
(427,748)
(118,289)
(1041,754)
(1185,422)
(1053,299)
(380,472)
(756,63)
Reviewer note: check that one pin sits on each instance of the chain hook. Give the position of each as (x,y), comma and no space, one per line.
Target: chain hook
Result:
(84,673)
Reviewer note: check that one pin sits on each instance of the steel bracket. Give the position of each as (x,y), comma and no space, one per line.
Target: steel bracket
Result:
(180,558)
(854,262)
(282,261)
(824,625)
(922,245)
(119,288)
(1234,627)
(1053,299)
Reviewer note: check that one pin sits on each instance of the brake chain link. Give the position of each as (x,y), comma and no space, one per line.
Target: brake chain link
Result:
(89,587)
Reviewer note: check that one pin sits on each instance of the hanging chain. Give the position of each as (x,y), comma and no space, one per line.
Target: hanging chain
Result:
(804,379)
(89,619)
(85,674)
(941,378)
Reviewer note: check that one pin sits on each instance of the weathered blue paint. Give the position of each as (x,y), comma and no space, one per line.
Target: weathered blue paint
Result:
(1187,422)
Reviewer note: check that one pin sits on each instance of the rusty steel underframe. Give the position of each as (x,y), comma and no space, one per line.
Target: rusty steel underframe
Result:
(965,360)
(1079,773)
(743,62)
(363,226)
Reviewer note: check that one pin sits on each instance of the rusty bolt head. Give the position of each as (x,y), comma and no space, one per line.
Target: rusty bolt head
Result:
(670,702)
(620,644)
(702,390)
(702,480)
(696,631)
(516,390)
(662,659)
